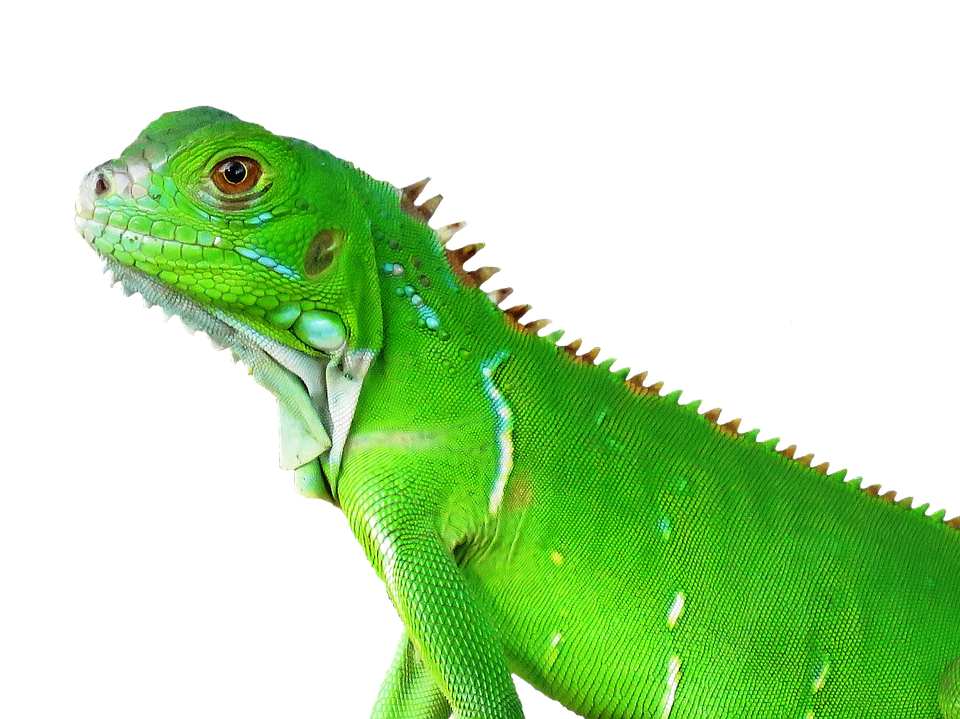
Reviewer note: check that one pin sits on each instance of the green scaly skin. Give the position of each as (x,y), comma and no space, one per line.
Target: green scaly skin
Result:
(528,511)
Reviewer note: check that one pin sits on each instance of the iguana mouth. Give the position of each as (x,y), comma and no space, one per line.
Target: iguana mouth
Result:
(192,314)
(161,258)
(154,292)
(304,387)
(296,379)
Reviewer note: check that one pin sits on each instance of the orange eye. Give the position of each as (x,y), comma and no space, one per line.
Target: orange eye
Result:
(236,174)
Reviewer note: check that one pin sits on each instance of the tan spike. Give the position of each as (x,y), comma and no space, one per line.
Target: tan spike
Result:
(412,190)
(536,326)
(822,467)
(655,388)
(471,250)
(519,310)
(463,254)
(873,490)
(713,414)
(636,383)
(429,207)
(498,296)
(955,523)
(571,349)
(445,233)
(890,495)
(591,356)
(807,459)
(408,198)
(482,274)
(788,452)
(732,427)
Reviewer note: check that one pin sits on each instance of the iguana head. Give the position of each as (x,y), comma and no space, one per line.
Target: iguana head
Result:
(264,243)
(268,230)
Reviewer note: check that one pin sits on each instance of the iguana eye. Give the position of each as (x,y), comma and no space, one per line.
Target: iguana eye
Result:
(236,174)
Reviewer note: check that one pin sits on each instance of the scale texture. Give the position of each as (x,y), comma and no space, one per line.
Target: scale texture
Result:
(529,511)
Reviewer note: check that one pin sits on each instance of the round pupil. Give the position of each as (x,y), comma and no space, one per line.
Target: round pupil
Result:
(234,172)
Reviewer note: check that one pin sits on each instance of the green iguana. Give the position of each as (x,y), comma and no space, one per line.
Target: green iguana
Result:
(529,510)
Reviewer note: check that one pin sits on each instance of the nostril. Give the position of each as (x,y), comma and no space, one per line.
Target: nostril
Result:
(101,187)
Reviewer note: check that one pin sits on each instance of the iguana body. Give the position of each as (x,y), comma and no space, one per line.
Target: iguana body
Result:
(528,510)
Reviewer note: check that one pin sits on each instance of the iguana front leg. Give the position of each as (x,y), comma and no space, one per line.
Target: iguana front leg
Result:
(408,691)
(454,639)
(949,696)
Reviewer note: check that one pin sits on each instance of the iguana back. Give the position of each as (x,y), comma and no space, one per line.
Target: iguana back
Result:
(528,510)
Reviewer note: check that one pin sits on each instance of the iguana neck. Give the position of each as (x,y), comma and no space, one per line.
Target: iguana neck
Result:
(432,308)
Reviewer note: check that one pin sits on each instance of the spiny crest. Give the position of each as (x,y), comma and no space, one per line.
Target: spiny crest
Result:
(457,258)
(638,382)
(408,198)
